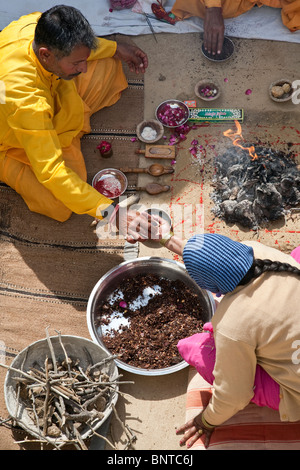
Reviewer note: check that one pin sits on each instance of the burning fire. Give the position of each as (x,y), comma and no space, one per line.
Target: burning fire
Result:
(237,138)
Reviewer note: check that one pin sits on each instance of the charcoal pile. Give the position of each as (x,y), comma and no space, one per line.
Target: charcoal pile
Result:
(255,191)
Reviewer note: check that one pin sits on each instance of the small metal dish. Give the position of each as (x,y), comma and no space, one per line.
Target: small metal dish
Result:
(169,107)
(226,53)
(286,95)
(155,126)
(207,84)
(111,172)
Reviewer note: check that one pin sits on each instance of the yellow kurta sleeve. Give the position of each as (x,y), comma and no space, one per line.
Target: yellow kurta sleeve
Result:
(188,8)
(106,48)
(213,3)
(33,128)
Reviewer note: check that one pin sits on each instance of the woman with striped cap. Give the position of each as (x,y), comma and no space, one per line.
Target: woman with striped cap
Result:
(249,351)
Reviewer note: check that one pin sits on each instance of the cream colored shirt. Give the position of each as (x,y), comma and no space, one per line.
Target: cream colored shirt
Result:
(258,324)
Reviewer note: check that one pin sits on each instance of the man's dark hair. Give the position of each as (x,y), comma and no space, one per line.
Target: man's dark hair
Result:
(62,28)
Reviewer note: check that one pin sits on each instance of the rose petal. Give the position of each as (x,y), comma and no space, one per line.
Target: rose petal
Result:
(248,92)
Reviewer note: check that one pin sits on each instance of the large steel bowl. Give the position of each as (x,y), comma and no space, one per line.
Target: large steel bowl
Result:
(166,268)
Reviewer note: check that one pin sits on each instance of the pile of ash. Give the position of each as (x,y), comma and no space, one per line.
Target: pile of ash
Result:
(253,192)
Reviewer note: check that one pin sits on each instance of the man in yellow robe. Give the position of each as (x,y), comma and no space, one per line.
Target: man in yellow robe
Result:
(55,73)
(214,11)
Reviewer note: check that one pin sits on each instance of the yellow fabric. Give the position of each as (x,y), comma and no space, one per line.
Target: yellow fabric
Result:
(290,14)
(42,119)
(290,9)
(213,3)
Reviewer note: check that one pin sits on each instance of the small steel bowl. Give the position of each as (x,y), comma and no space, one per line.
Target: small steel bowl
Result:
(108,283)
(286,96)
(155,125)
(34,355)
(119,175)
(226,53)
(207,83)
(173,104)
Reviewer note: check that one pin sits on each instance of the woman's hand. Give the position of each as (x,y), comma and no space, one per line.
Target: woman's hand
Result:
(133,56)
(194,429)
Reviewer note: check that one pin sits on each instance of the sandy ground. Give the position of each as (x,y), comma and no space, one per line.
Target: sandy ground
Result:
(154,406)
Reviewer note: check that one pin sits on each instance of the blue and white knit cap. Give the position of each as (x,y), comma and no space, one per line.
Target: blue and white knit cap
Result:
(216,262)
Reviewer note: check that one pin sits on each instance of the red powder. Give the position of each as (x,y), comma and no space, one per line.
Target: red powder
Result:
(109,186)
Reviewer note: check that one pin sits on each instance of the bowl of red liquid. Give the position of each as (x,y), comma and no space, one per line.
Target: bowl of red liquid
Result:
(110,182)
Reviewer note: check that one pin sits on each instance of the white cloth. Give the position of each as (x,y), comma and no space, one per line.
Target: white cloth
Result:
(258,23)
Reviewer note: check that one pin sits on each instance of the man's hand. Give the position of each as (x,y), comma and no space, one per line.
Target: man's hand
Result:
(194,429)
(160,228)
(134,57)
(133,225)
(213,30)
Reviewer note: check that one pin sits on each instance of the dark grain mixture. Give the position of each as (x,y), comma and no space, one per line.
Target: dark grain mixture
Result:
(150,340)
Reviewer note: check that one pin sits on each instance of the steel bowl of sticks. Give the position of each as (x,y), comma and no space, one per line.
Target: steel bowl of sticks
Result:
(140,309)
(61,390)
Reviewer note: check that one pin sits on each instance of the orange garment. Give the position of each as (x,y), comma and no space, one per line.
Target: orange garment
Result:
(290,9)
(42,119)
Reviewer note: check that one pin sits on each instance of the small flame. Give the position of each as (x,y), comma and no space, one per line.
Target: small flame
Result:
(236,137)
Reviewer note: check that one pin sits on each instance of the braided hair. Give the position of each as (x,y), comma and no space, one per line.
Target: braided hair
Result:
(260,266)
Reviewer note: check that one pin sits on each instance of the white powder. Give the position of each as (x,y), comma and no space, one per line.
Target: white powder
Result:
(116,295)
(116,320)
(143,299)
(149,133)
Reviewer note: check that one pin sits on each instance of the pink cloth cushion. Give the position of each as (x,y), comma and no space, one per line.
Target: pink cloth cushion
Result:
(296,254)
(199,351)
